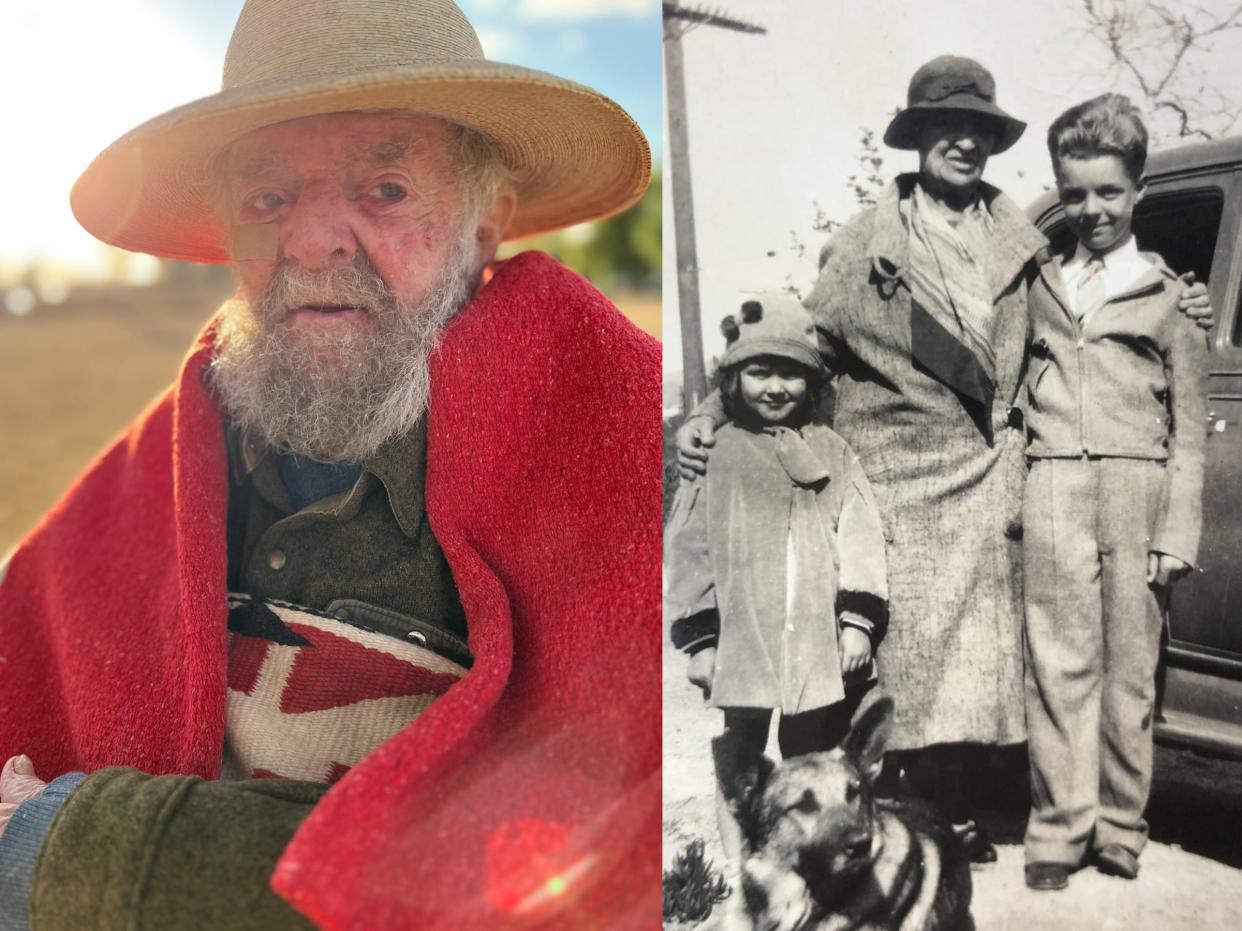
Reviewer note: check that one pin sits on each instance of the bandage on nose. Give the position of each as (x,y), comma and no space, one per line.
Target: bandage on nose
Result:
(255,242)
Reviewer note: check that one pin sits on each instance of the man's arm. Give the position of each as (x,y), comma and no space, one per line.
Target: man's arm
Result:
(122,849)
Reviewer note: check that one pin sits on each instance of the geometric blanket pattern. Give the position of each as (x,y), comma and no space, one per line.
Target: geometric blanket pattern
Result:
(310,695)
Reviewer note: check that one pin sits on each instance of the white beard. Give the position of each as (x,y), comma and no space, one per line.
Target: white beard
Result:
(378,384)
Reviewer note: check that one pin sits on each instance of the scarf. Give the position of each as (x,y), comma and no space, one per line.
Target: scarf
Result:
(530,792)
(951,300)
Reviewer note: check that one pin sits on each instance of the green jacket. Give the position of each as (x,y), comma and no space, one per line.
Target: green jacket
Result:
(128,850)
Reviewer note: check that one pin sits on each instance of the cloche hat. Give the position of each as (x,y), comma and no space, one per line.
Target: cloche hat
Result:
(772,324)
(575,154)
(951,83)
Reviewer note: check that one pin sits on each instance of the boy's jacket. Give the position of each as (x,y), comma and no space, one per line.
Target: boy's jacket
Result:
(528,795)
(1129,381)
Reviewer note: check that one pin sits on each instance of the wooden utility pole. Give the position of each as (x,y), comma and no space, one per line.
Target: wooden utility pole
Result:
(678,20)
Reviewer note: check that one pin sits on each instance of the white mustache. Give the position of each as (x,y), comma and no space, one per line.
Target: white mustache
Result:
(355,285)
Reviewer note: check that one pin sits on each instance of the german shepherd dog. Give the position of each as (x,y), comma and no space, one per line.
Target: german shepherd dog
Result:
(823,854)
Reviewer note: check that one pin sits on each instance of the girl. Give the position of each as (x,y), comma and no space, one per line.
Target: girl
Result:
(778,586)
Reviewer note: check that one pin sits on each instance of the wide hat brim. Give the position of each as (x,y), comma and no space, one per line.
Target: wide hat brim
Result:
(575,154)
(902,132)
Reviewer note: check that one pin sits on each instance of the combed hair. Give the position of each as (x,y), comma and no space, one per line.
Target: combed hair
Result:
(1106,125)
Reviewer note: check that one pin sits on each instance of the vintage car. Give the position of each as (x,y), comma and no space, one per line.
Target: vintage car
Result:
(1192,215)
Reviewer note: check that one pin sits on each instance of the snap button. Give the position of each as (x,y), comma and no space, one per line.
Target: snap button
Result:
(276,560)
(417,637)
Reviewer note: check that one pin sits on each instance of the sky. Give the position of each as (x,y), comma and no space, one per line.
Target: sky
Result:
(79,73)
(774,120)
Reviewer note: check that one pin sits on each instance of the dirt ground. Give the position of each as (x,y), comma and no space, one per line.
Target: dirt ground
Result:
(1191,874)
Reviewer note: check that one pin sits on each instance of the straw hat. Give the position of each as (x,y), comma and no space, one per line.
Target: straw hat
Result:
(951,83)
(575,154)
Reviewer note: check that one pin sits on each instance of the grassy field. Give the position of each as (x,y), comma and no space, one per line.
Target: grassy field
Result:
(71,378)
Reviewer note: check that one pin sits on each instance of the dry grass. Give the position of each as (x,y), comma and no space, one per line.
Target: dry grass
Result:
(71,378)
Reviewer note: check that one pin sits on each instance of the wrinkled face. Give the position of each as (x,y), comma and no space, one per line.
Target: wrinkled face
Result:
(772,387)
(364,252)
(954,147)
(341,187)
(816,813)
(1099,197)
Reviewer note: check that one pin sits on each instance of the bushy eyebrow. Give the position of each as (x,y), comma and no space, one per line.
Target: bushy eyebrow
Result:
(380,154)
(392,151)
(253,168)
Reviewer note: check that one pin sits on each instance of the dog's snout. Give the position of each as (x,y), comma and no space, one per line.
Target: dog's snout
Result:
(859,846)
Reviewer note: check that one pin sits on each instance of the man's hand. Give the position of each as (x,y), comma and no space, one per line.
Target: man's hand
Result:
(18,783)
(1194,301)
(1162,569)
(694,438)
(702,668)
(855,651)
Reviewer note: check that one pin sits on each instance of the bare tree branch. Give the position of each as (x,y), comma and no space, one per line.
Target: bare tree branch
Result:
(1158,48)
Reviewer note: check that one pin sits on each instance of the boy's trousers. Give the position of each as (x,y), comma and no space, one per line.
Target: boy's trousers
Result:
(1092,642)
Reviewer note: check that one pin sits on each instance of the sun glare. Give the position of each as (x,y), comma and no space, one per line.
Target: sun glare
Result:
(120,63)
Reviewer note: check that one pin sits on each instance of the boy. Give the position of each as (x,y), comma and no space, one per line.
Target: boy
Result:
(1112,508)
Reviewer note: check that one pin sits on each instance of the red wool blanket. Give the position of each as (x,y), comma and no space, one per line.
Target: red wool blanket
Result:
(527,796)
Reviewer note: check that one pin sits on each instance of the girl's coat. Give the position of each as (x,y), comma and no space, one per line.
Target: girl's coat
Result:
(781,531)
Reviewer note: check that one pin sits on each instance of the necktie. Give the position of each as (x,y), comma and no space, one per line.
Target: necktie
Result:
(1090,288)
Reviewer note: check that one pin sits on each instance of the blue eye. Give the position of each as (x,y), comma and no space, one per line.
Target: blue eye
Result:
(267,201)
(388,190)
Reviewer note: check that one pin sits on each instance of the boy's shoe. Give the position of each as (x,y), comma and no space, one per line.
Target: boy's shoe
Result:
(1047,877)
(978,845)
(1115,860)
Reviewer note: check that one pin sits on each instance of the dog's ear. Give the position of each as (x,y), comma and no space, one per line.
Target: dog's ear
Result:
(869,734)
(742,777)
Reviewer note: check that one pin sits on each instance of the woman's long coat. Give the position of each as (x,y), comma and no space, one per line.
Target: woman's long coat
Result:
(950,495)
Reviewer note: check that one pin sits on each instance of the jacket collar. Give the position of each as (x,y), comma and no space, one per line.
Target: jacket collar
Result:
(1050,270)
(1014,241)
(399,465)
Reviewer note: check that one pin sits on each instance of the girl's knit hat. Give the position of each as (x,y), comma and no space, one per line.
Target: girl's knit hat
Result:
(772,324)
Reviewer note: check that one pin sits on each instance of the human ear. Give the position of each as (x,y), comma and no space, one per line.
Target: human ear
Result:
(495,221)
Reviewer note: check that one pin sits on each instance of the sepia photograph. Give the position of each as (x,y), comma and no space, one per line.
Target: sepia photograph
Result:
(329,465)
(952,407)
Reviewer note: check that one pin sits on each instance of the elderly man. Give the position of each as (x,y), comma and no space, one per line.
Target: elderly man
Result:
(345,630)
(921,308)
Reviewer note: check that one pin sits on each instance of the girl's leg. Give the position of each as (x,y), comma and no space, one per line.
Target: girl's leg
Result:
(824,728)
(737,753)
